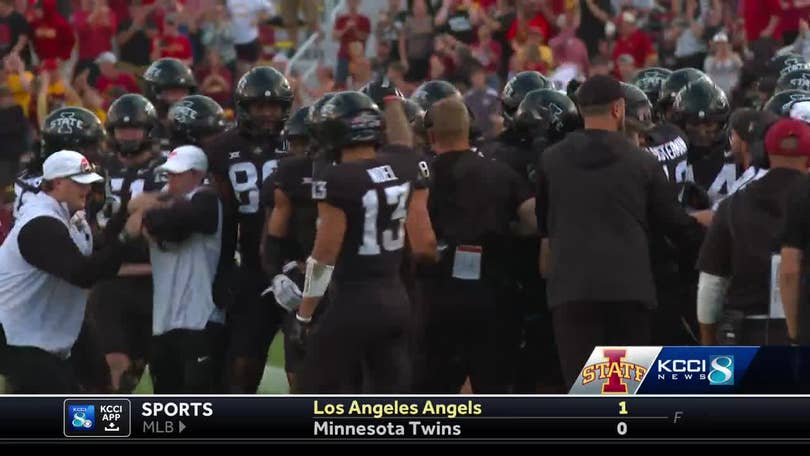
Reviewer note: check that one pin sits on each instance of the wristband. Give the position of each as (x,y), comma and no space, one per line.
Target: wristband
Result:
(305,320)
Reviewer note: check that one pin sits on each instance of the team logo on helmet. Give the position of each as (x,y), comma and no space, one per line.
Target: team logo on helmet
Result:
(803,82)
(153,72)
(66,123)
(183,112)
(796,97)
(556,112)
(365,120)
(792,64)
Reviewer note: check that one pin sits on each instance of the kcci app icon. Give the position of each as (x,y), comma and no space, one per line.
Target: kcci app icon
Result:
(82,417)
(721,370)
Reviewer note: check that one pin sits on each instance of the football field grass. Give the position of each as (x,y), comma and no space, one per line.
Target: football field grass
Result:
(274,380)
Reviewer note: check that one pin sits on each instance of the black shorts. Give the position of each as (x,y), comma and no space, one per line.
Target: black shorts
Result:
(120,309)
(361,342)
(248,52)
(187,361)
(252,320)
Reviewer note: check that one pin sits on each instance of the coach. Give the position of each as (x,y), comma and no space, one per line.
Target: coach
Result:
(46,264)
(598,197)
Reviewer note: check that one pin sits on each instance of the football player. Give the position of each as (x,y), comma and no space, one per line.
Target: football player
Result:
(366,205)
(166,81)
(122,307)
(241,159)
(194,120)
(676,81)
(650,80)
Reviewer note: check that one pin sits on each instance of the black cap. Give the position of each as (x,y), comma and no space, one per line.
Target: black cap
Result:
(599,90)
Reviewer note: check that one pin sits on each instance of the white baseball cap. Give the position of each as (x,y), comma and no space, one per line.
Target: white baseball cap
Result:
(69,164)
(106,57)
(185,158)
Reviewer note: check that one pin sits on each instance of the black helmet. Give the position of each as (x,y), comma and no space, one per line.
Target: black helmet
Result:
(781,65)
(296,125)
(74,129)
(701,102)
(427,94)
(546,111)
(517,88)
(347,119)
(674,83)
(414,113)
(638,107)
(378,89)
(650,80)
(796,79)
(163,74)
(781,103)
(193,118)
(312,122)
(131,111)
(262,84)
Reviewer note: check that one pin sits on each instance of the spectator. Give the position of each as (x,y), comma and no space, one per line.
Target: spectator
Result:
(217,35)
(95,25)
(535,55)
(690,47)
(594,15)
(215,79)
(488,53)
(289,15)
(416,42)
(379,63)
(633,41)
(111,79)
(14,137)
(724,65)
(53,37)
(14,32)
(626,67)
(349,27)
(389,26)
(170,43)
(761,19)
(90,98)
(459,19)
(359,66)
(793,11)
(326,83)
(483,102)
(19,81)
(566,48)
(134,38)
(528,17)
(600,65)
(54,91)
(802,44)
(498,19)
(245,18)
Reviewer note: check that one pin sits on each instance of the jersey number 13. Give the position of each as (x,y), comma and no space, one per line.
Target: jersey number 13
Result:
(392,234)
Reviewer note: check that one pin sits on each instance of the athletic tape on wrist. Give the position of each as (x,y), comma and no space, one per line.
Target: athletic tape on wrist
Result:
(317,279)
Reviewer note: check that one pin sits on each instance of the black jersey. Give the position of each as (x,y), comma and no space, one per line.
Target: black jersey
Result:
(715,172)
(123,180)
(669,145)
(244,162)
(374,194)
(294,178)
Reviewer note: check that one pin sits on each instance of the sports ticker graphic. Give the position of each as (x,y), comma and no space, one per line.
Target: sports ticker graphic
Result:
(664,370)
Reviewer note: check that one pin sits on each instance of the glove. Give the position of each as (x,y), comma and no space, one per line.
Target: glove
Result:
(286,292)
(379,89)
(296,331)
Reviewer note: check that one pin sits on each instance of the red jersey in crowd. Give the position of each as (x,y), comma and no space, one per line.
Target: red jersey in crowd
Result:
(53,36)
(757,14)
(125,81)
(177,46)
(94,37)
(638,44)
(357,31)
(539,22)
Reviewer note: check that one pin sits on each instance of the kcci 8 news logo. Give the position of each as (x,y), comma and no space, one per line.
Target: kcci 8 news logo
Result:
(663,370)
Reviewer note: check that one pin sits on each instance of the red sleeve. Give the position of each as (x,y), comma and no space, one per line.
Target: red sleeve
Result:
(340,23)
(510,35)
(68,39)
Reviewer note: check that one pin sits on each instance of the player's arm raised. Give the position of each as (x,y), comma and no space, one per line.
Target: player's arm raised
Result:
(328,242)
(419,229)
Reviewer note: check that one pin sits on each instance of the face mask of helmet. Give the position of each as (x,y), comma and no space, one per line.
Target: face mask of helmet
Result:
(266,117)
(130,140)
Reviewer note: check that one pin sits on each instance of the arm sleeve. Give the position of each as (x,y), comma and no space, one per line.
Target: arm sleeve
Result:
(180,220)
(794,233)
(541,195)
(45,243)
(665,212)
(715,253)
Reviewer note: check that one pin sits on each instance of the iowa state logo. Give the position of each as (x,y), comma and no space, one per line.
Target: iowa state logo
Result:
(615,370)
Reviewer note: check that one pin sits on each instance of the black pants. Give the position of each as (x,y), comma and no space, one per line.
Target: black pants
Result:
(360,344)
(186,361)
(582,325)
(465,335)
(31,370)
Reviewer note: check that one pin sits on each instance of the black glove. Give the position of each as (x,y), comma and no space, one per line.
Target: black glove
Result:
(296,330)
(379,89)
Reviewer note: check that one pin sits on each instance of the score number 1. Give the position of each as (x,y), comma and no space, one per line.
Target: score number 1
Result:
(621,428)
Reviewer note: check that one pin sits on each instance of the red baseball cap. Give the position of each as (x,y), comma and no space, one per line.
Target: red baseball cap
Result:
(788,137)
